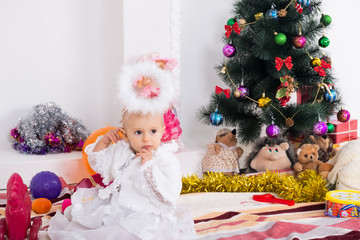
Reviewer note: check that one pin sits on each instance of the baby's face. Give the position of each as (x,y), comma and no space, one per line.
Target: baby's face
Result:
(143,132)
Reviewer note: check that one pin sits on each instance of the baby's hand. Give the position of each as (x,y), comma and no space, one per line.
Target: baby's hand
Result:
(111,136)
(145,155)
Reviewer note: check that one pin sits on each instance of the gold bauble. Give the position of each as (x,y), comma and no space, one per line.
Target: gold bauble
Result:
(237,93)
(289,122)
(242,22)
(282,13)
(315,62)
(264,101)
(259,16)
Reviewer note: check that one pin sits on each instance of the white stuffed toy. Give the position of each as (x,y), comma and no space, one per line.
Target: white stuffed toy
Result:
(346,171)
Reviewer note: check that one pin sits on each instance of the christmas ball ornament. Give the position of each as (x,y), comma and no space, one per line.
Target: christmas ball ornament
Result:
(237,93)
(264,101)
(331,127)
(273,131)
(282,13)
(229,50)
(324,42)
(280,38)
(343,115)
(289,122)
(299,41)
(272,13)
(216,118)
(231,21)
(45,184)
(259,16)
(320,128)
(329,96)
(315,62)
(325,20)
(304,2)
(244,91)
(326,59)
(242,22)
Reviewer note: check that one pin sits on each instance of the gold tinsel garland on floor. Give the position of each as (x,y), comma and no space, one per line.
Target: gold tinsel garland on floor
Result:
(309,187)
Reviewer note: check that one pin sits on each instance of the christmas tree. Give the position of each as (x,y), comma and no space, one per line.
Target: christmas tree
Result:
(274,49)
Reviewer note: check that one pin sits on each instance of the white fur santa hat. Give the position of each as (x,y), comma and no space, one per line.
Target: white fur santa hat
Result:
(146,88)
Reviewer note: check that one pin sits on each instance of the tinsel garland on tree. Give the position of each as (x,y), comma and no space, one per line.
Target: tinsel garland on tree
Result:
(309,187)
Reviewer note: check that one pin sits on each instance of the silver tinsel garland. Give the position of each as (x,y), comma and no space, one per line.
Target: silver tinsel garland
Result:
(48,128)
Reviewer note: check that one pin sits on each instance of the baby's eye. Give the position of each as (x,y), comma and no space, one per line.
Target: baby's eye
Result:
(153,131)
(138,132)
(269,149)
(276,150)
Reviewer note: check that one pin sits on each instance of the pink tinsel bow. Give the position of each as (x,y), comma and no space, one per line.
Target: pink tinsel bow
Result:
(172,129)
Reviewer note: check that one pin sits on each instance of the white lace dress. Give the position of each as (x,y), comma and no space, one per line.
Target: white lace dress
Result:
(139,203)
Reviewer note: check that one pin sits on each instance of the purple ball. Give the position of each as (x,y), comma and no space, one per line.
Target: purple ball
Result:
(244,91)
(320,128)
(273,131)
(229,50)
(45,184)
(299,41)
(343,115)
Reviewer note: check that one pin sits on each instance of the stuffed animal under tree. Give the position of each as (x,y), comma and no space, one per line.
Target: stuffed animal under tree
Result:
(223,155)
(270,154)
(307,156)
(326,150)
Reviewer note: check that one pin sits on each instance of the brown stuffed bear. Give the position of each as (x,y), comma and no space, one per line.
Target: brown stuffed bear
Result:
(223,155)
(307,156)
(326,150)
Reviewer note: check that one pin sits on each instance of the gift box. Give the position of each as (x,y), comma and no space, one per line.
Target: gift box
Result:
(305,94)
(344,131)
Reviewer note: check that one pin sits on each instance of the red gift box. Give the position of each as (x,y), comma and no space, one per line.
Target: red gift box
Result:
(305,94)
(344,131)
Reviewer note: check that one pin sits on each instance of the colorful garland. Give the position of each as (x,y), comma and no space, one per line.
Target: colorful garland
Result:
(309,187)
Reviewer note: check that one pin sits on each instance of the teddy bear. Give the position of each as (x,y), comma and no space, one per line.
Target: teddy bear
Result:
(307,158)
(325,168)
(222,156)
(346,171)
(270,154)
(326,150)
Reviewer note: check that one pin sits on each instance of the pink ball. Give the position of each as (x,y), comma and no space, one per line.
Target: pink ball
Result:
(320,128)
(299,41)
(273,131)
(244,91)
(229,50)
(65,204)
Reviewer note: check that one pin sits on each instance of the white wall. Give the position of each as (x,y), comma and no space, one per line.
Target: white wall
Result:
(70,51)
(202,27)
(64,51)
(345,51)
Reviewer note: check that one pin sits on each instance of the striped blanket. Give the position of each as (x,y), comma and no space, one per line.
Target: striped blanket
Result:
(275,221)
(233,216)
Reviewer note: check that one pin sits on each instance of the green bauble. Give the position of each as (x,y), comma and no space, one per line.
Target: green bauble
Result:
(331,127)
(325,20)
(324,42)
(280,39)
(231,21)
